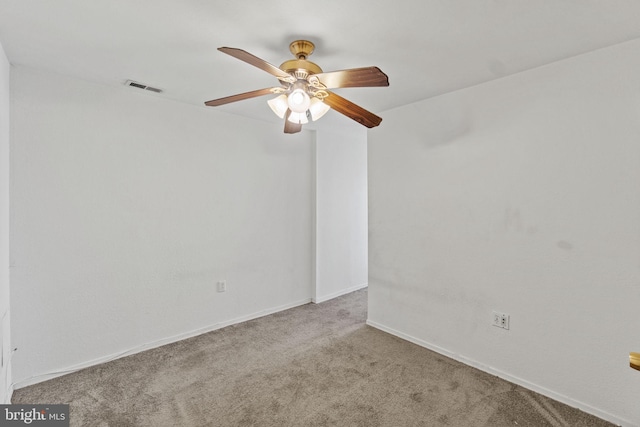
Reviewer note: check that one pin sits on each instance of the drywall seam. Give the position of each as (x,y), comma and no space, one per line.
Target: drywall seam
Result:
(5,224)
(159,343)
(505,376)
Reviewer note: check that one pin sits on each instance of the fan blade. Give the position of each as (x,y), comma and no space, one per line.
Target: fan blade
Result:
(257,62)
(355,77)
(241,96)
(291,127)
(351,110)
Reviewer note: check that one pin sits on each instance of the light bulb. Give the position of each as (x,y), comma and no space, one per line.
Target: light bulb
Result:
(298,101)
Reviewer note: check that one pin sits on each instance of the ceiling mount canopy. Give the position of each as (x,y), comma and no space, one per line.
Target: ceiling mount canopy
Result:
(304,93)
(301,49)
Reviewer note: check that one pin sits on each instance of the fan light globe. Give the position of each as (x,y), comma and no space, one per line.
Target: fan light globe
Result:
(279,105)
(298,118)
(298,101)
(317,109)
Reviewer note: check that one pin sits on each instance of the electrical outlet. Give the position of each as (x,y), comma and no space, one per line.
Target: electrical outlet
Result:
(222,286)
(501,320)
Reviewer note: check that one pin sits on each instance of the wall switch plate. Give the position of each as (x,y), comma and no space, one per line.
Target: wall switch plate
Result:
(222,286)
(500,320)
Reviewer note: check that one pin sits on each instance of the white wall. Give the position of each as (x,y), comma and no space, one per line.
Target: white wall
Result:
(126,209)
(341,211)
(520,195)
(5,335)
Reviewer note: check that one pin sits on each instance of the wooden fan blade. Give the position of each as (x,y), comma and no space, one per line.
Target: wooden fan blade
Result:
(355,77)
(240,97)
(291,127)
(351,110)
(257,62)
(634,360)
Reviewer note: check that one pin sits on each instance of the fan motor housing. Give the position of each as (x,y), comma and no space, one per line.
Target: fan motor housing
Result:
(296,65)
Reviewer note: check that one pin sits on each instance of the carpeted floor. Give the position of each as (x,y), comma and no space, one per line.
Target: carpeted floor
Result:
(314,365)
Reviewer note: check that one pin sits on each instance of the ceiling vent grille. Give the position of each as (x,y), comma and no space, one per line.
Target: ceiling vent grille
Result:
(142,86)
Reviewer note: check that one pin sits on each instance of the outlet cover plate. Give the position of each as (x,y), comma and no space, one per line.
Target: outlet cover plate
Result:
(222,286)
(500,320)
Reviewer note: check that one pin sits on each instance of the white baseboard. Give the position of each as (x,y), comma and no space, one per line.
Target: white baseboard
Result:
(323,298)
(505,376)
(148,346)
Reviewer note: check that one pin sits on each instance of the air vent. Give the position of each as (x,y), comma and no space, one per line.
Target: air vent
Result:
(142,86)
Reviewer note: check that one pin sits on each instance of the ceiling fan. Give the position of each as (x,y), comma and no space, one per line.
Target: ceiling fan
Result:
(304,93)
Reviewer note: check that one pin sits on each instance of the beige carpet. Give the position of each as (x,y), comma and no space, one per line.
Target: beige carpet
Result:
(315,365)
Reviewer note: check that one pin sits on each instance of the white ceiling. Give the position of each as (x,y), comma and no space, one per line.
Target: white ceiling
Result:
(426,47)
